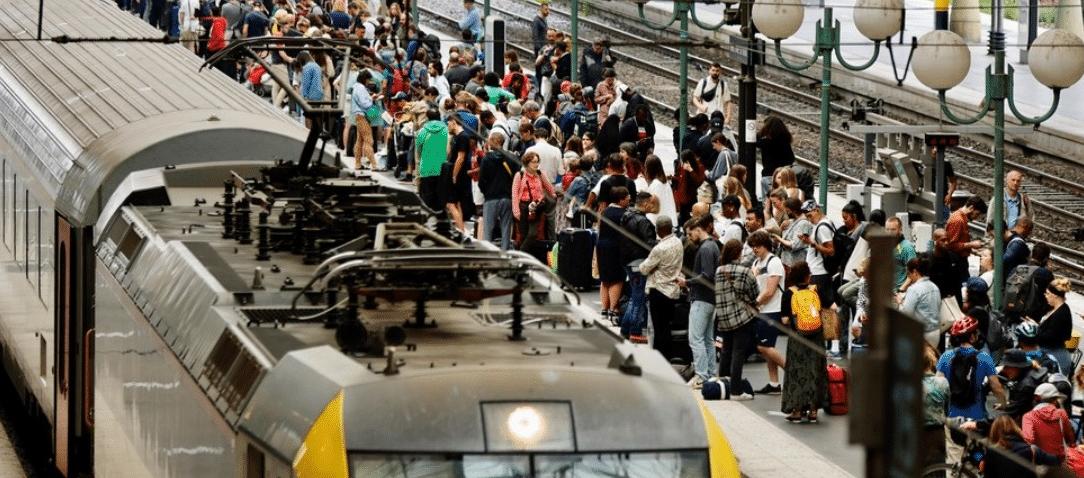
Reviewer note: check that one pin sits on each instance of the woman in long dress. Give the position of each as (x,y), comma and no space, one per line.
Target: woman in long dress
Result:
(805,383)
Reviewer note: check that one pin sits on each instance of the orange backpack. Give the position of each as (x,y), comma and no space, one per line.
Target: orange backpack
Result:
(805,306)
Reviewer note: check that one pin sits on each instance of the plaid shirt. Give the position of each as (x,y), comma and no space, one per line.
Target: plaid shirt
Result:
(735,297)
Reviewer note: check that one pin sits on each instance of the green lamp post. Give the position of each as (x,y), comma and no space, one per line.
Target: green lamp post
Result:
(684,10)
(877,20)
(942,61)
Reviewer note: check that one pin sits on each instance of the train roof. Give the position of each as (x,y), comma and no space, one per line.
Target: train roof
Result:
(79,111)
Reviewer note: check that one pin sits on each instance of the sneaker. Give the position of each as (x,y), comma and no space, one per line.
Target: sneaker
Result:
(834,356)
(696,382)
(638,339)
(745,397)
(770,390)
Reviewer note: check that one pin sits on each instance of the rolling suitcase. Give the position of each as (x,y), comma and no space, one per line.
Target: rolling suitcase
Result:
(837,390)
(574,250)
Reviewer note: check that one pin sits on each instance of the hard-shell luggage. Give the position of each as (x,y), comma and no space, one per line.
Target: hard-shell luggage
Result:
(574,250)
(837,390)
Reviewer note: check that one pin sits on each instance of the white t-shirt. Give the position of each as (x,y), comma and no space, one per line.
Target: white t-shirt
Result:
(598,186)
(722,95)
(186,15)
(764,269)
(822,233)
(729,229)
(549,160)
(641,183)
(665,194)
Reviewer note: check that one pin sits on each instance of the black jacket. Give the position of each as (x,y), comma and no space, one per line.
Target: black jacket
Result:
(538,33)
(458,74)
(636,223)
(494,180)
(1056,329)
(1000,466)
(592,65)
(630,133)
(1022,392)
(774,154)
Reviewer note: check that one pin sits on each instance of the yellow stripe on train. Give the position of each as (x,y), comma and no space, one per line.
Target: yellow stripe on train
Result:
(323,453)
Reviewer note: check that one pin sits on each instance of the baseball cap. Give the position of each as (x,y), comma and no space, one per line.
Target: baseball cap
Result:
(810,205)
(1047,391)
(1015,358)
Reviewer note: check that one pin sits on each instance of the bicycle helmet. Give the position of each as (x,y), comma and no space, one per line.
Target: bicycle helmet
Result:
(963,326)
(1026,329)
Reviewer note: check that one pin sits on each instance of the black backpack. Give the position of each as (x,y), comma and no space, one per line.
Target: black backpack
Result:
(586,122)
(844,245)
(962,390)
(1020,290)
(832,263)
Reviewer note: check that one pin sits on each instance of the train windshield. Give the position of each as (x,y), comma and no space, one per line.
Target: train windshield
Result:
(683,464)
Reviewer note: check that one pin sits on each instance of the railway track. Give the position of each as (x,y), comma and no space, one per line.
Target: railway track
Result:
(1055,196)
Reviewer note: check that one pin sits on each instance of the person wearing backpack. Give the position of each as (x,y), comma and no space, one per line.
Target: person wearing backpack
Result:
(805,384)
(1017,251)
(820,255)
(635,245)
(966,368)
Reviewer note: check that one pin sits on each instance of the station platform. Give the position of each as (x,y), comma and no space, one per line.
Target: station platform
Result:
(764,443)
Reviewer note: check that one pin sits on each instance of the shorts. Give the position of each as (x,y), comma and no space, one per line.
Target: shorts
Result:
(824,289)
(766,334)
(476,195)
(189,37)
(429,190)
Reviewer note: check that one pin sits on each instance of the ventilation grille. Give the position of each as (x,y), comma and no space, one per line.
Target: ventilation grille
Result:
(231,370)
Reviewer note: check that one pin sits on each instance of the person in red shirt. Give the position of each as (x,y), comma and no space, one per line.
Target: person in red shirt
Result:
(957,230)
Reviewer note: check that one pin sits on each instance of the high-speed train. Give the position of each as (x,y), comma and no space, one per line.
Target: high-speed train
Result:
(181,302)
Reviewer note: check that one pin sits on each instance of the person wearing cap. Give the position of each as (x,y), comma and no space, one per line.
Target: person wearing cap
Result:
(1024,376)
(472,20)
(1047,425)
(966,395)
(819,245)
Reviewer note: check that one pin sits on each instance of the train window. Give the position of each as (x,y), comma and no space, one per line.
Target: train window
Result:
(254,466)
(129,245)
(27,236)
(4,199)
(9,237)
(40,240)
(117,230)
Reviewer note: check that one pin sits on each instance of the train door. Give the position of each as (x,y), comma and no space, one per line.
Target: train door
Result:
(74,390)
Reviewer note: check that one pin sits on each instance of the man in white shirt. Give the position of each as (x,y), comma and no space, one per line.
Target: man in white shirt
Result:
(820,245)
(730,226)
(188,21)
(712,94)
(770,274)
(662,268)
(550,160)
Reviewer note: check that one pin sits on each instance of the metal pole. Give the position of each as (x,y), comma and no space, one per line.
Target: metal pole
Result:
(940,15)
(747,103)
(683,87)
(825,40)
(998,97)
(413,14)
(41,13)
(485,9)
(869,148)
(939,186)
(575,40)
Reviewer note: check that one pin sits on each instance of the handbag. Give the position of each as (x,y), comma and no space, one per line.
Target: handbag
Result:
(830,324)
(950,311)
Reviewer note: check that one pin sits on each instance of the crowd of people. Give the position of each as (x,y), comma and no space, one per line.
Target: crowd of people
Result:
(516,154)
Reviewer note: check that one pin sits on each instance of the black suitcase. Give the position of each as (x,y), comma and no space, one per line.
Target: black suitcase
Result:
(574,251)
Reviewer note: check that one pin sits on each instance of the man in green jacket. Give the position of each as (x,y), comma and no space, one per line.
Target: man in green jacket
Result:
(430,153)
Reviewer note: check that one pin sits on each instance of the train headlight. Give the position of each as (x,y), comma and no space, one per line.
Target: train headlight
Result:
(525,424)
(528,426)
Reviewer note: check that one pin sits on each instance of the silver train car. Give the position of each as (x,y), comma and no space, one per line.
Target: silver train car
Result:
(153,340)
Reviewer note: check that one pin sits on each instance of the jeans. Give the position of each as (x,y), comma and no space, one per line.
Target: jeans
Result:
(701,341)
(498,212)
(632,323)
(662,312)
(737,345)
